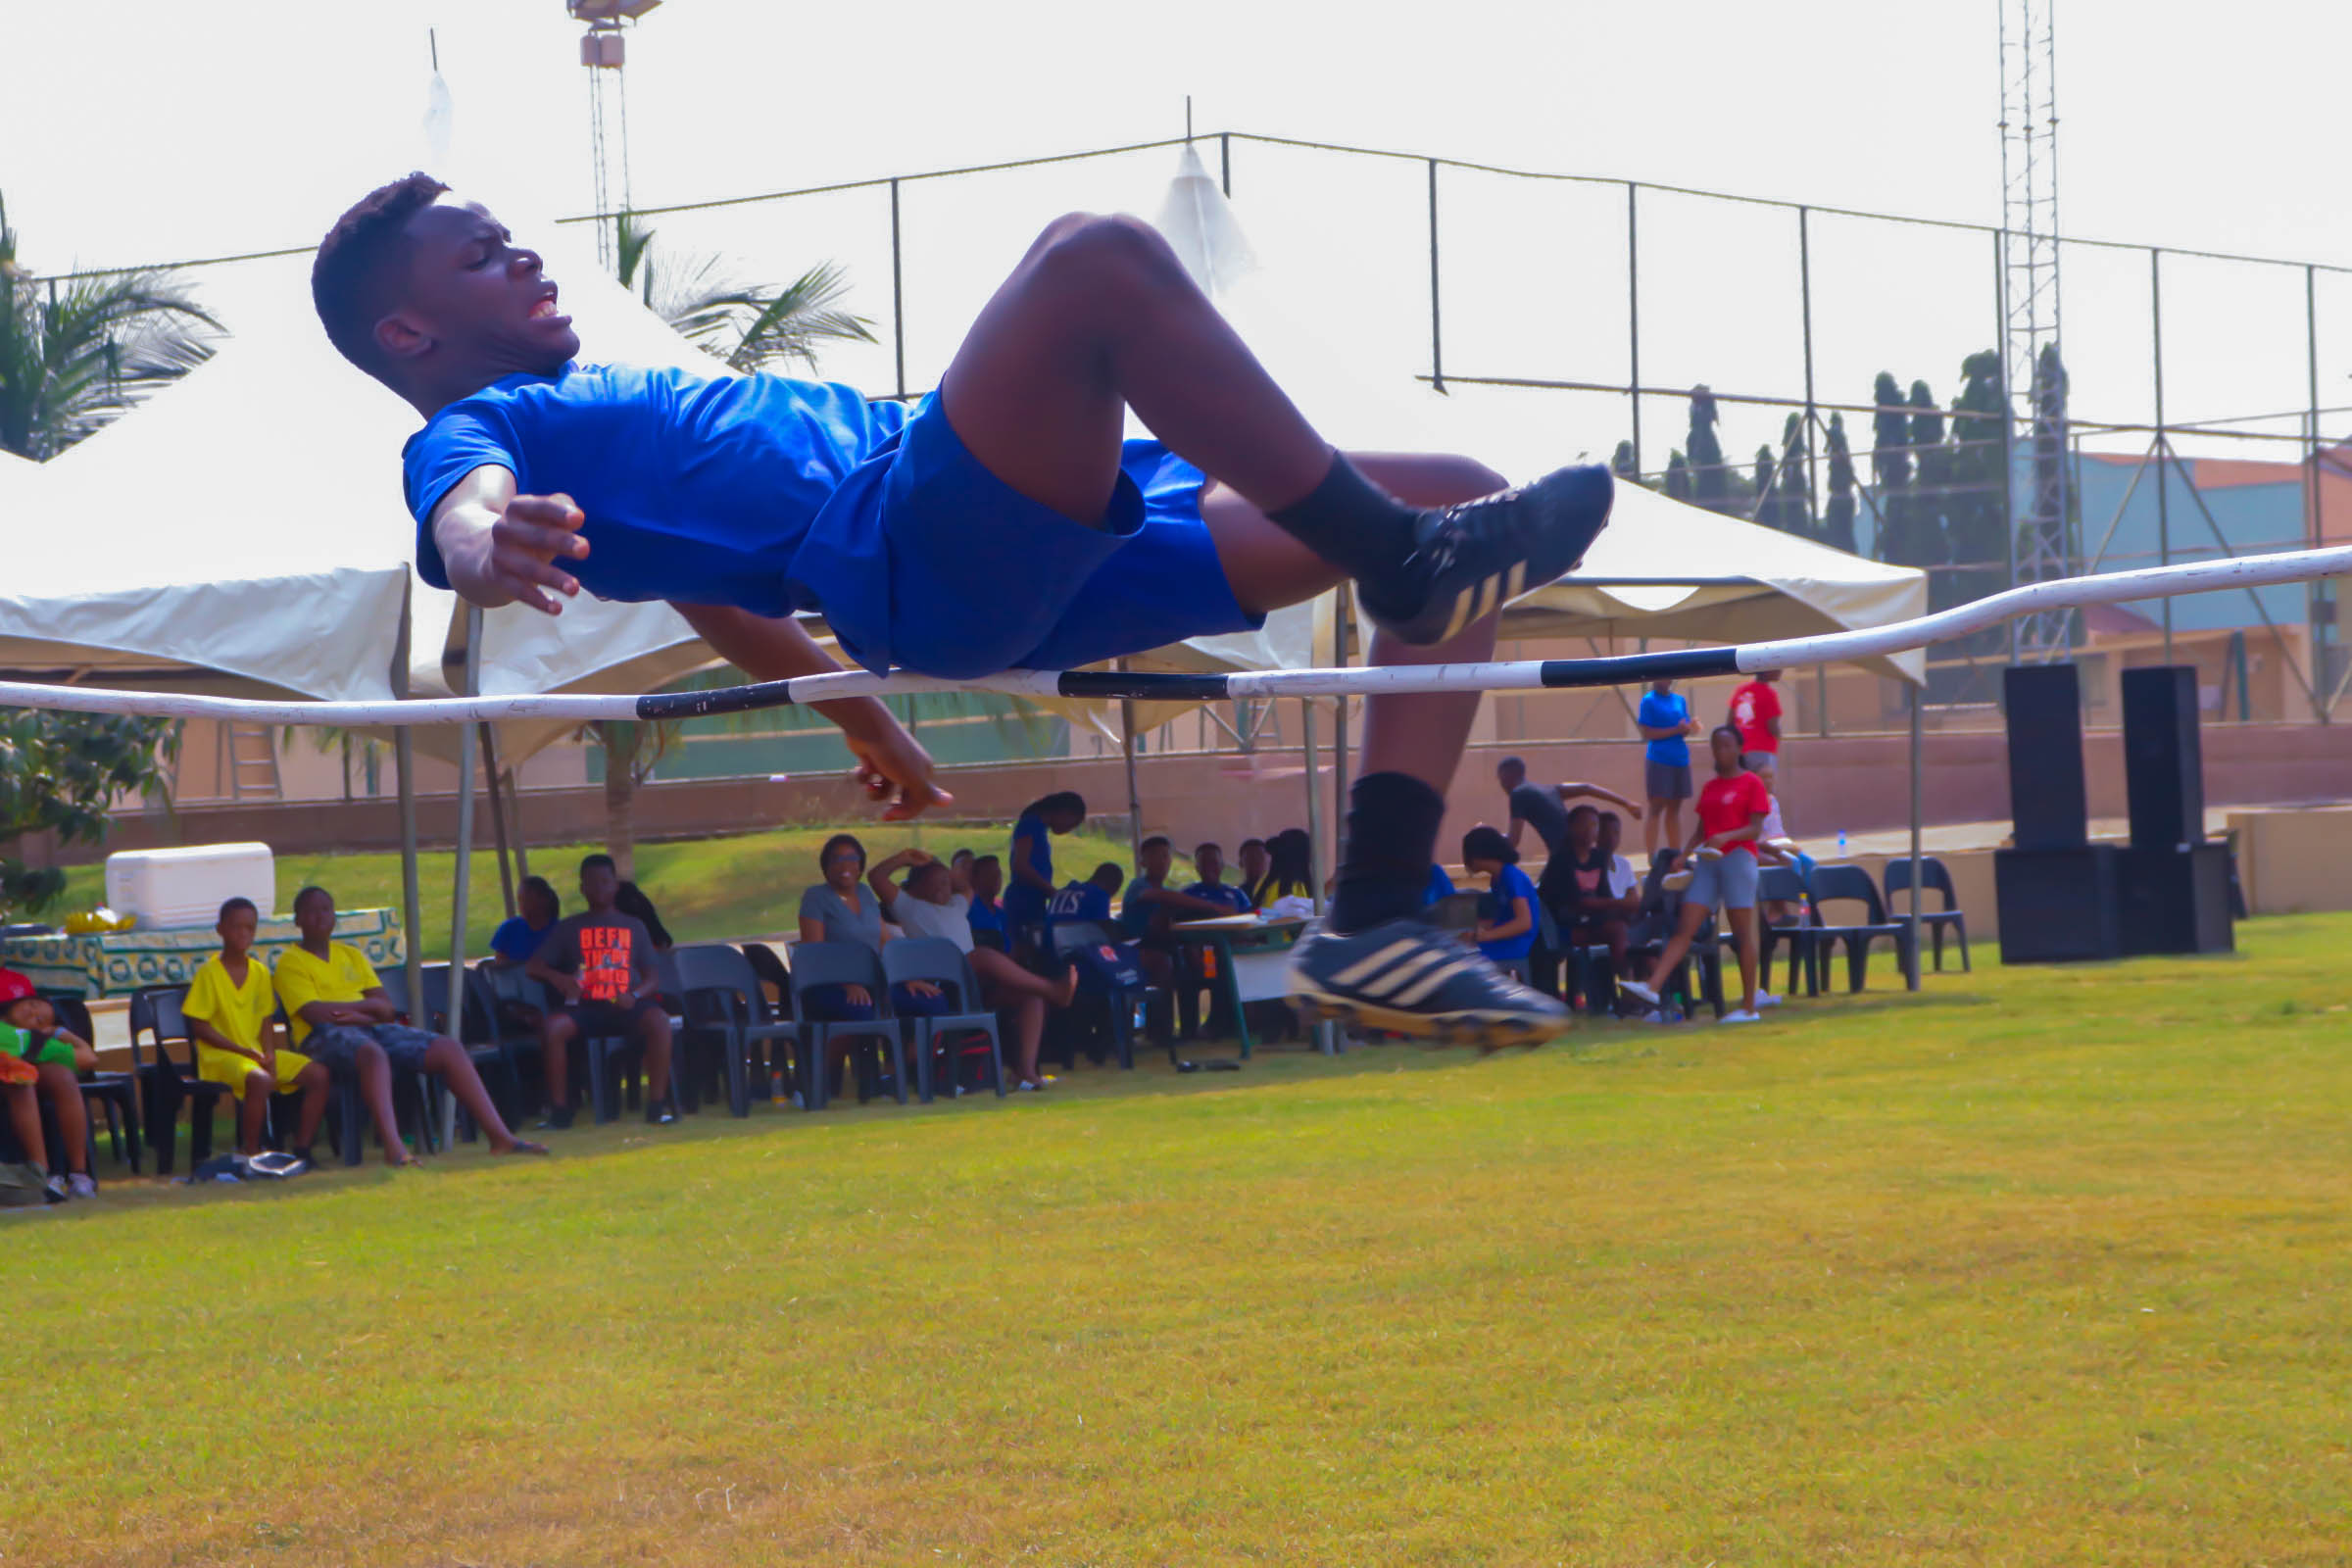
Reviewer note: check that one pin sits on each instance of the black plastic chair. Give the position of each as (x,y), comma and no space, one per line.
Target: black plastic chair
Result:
(116,1094)
(1782,884)
(1841,883)
(940,963)
(1934,876)
(845,963)
(1122,1001)
(164,1084)
(496,998)
(726,1006)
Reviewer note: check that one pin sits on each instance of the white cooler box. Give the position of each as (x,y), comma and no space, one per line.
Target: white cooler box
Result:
(164,889)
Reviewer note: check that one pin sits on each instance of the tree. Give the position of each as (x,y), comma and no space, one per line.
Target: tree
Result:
(750,327)
(76,351)
(1976,524)
(1791,508)
(1760,484)
(1915,530)
(1889,435)
(1837,514)
(59,772)
(1678,477)
(1621,463)
(1711,476)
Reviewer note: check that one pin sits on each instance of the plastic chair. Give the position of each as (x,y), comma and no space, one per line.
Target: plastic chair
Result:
(116,1094)
(1069,937)
(1782,883)
(1839,884)
(1934,875)
(843,963)
(718,974)
(164,1085)
(941,963)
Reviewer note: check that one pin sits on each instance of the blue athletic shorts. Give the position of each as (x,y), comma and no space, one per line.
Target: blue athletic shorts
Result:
(974,577)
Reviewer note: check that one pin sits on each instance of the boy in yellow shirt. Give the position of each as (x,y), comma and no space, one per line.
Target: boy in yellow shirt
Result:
(338,1013)
(230,1007)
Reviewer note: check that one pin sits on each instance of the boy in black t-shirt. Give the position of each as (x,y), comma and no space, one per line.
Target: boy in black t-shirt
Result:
(601,966)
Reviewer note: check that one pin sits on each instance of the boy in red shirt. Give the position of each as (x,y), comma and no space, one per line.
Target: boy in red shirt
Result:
(1756,715)
(1723,851)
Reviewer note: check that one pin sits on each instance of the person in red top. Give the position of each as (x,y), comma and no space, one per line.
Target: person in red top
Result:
(1756,715)
(1723,853)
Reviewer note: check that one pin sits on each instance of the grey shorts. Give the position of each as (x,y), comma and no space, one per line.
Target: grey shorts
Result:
(339,1045)
(1765,763)
(1729,882)
(1666,781)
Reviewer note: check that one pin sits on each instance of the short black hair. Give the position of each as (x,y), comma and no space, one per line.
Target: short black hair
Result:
(1207,843)
(1110,869)
(1519,762)
(353,280)
(1158,841)
(313,891)
(1246,843)
(826,852)
(589,863)
(1588,808)
(988,861)
(229,907)
(1484,843)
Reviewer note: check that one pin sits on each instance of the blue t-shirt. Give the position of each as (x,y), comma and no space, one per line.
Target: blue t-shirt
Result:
(986,917)
(1080,901)
(1509,883)
(1224,893)
(701,490)
(1441,886)
(1021,901)
(517,939)
(1666,711)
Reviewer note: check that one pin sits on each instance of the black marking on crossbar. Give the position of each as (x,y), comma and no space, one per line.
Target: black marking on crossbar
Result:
(1627,669)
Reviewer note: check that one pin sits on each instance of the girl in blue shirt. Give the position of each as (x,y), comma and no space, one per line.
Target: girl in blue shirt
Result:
(1032,858)
(1506,921)
(518,936)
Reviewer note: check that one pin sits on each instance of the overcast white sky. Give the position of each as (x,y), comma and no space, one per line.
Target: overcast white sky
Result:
(140,130)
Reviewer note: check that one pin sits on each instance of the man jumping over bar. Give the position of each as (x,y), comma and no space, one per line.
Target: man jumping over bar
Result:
(740,500)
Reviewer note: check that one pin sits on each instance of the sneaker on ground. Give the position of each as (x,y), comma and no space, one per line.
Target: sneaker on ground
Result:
(556,1120)
(1742,1015)
(1638,992)
(54,1190)
(1410,979)
(81,1185)
(1470,560)
(1765,999)
(659,1115)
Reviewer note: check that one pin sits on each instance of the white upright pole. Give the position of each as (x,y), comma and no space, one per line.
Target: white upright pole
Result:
(468,742)
(1326,1034)
(1911,970)
(403,764)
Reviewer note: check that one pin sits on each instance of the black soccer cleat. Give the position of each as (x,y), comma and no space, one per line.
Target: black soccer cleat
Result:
(1412,979)
(1470,560)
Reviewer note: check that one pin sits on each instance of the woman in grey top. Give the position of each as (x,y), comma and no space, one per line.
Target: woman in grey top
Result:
(842,908)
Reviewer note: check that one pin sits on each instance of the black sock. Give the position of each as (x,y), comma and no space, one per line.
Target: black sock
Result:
(1392,836)
(1351,523)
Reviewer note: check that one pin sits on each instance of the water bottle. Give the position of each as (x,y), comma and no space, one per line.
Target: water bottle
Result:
(1842,844)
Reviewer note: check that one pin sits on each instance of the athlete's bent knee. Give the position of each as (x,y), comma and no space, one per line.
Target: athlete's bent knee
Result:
(1117,250)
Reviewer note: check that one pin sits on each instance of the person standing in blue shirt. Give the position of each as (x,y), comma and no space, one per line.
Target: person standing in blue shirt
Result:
(1665,723)
(1001,524)
(1032,858)
(1507,922)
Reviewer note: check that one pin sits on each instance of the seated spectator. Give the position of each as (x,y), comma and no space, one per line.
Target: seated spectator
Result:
(1254,863)
(1441,886)
(1288,881)
(960,863)
(843,909)
(1208,861)
(230,1007)
(1506,926)
(1625,883)
(1089,900)
(630,899)
(28,1031)
(600,967)
(1774,847)
(1032,862)
(19,1092)
(934,903)
(1579,886)
(987,916)
(519,937)
(337,1014)
(1151,907)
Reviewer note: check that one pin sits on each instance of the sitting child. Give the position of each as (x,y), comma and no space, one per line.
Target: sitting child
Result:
(59,1057)
(230,1007)
(1089,900)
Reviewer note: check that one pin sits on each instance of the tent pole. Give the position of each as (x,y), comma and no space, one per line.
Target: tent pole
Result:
(1135,798)
(1326,1035)
(1342,603)
(403,766)
(468,741)
(498,815)
(1911,969)
(523,847)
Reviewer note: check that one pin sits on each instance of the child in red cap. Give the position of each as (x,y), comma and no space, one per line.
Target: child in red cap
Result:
(30,1033)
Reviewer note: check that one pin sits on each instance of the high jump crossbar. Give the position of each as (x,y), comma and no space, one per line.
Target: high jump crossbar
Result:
(1793,652)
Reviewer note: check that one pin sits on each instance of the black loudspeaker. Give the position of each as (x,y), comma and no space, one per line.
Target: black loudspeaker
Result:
(2057,906)
(2164,761)
(2174,899)
(2047,802)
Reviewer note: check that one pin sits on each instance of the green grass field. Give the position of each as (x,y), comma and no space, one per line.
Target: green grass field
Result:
(2041,1267)
(707,890)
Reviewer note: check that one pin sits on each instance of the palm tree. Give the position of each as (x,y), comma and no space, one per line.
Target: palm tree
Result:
(75,352)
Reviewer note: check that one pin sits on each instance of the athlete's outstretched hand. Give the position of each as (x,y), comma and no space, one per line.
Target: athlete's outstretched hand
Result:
(893,766)
(530,536)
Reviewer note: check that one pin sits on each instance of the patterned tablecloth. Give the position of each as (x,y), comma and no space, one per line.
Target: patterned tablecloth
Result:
(117,963)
